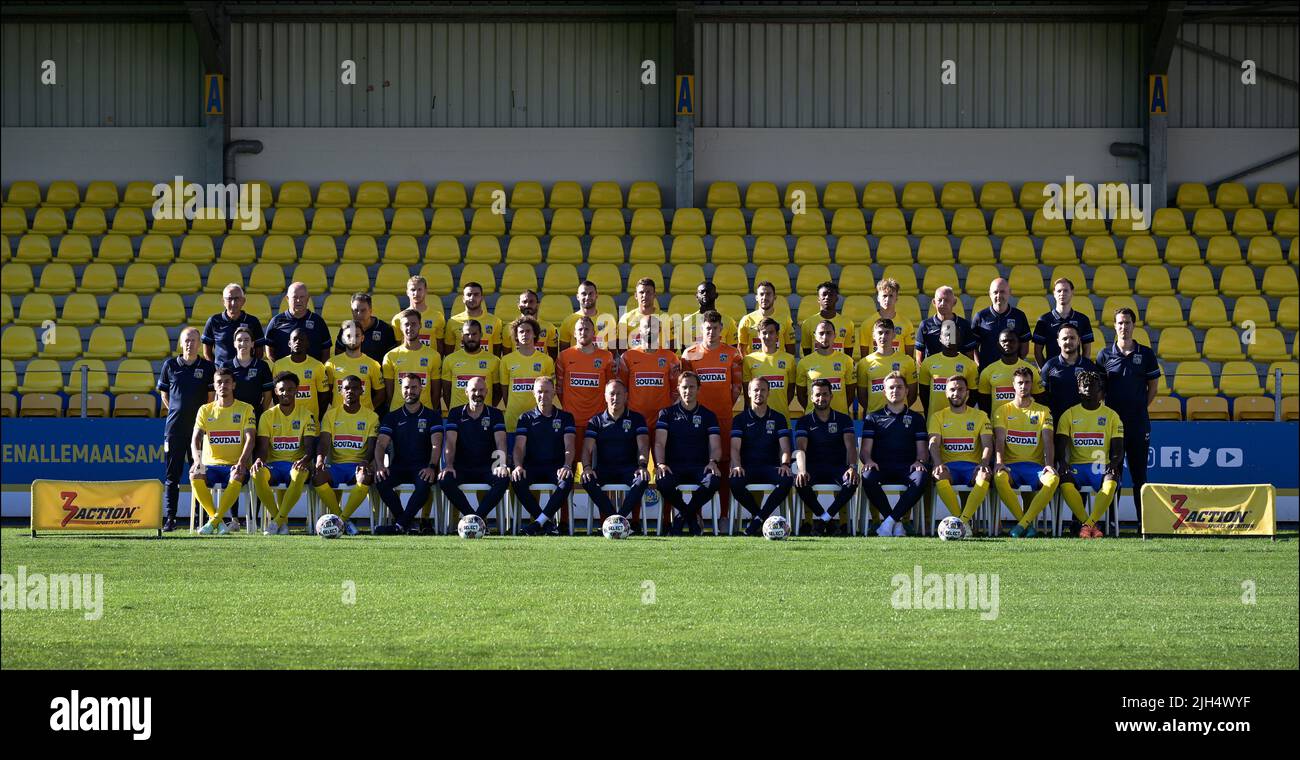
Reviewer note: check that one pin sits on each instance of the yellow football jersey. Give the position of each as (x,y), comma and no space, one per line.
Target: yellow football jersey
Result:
(747,330)
(490,336)
(692,330)
(1026,430)
(459,367)
(516,374)
(845,333)
(1089,432)
(873,369)
(995,380)
(606,329)
(349,433)
(432,326)
(779,369)
(959,434)
(935,371)
(629,329)
(286,432)
(223,428)
(837,367)
(341,365)
(904,334)
(425,363)
(313,379)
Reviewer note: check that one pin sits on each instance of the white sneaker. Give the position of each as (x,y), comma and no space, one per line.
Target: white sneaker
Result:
(899,530)
(886,527)
(208,528)
(223,529)
(350,529)
(283,530)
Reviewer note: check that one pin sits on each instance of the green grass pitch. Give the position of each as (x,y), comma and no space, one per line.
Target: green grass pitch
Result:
(282,602)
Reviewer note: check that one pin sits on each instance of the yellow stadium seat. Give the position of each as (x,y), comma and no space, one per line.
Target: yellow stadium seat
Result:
(560,279)
(96,405)
(239,250)
(555,307)
(647,221)
(967,222)
(123,310)
(333,194)
(1193,196)
(18,342)
(50,221)
(362,249)
(40,405)
(57,278)
(777,274)
(1084,306)
(1250,222)
(517,278)
(687,249)
(1286,223)
(447,221)
(150,342)
(934,250)
(1264,251)
(7,308)
(606,249)
(761,195)
(1043,226)
(14,221)
(156,249)
(1193,378)
(221,275)
(527,194)
(24,194)
(391,278)
(939,275)
(1238,280)
(204,306)
(1059,250)
(878,195)
(106,342)
(350,278)
(770,249)
(135,405)
(1252,407)
(16,278)
(639,272)
(337,308)
(8,376)
(96,379)
(1207,408)
(115,250)
(848,221)
(978,279)
(1009,221)
(1169,222)
(1033,195)
(1197,280)
(372,195)
(1269,346)
(995,195)
(450,195)
(1222,344)
(311,275)
(768,221)
(524,249)
(403,249)
(368,221)
(859,307)
(1288,313)
(918,195)
(1089,228)
(1232,196)
(8,405)
(905,276)
(442,249)
(1140,251)
(1112,280)
(976,250)
(688,221)
(1165,408)
(1271,196)
(564,194)
(1027,280)
(483,249)
(528,221)
(928,221)
(89,221)
(809,224)
(894,249)
(1279,281)
(1017,250)
(852,249)
(810,277)
(293,194)
(809,191)
(1209,222)
(957,195)
(42,376)
(607,221)
(1207,312)
(1290,378)
(728,221)
(685,278)
(1099,251)
(138,195)
(607,277)
(1252,309)
(485,222)
(856,279)
(62,194)
(165,309)
(888,221)
(840,195)
(290,221)
(1291,409)
(259,306)
(605,195)
(811,250)
(729,249)
(1113,304)
(182,277)
(280,249)
(1222,251)
(197,249)
(733,306)
(1151,280)
(171,227)
(128,221)
(65,346)
(439,278)
(33,310)
(33,249)
(723,195)
(643,194)
(408,221)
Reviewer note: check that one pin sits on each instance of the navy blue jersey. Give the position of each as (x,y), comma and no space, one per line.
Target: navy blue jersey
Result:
(688,435)
(379,340)
(1051,323)
(284,323)
(826,451)
(412,436)
(615,437)
(545,436)
(187,389)
(219,332)
(988,325)
(894,437)
(760,438)
(1061,384)
(927,335)
(475,437)
(1126,382)
(251,381)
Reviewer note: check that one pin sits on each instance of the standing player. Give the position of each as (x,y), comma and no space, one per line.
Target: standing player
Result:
(185,384)
(880,364)
(414,433)
(999,315)
(1090,444)
(1047,331)
(618,443)
(547,338)
(474,359)
(544,454)
(632,325)
(827,362)
(413,358)
(937,369)
(904,331)
(354,362)
(929,338)
(717,366)
(996,387)
(286,446)
(521,368)
(225,432)
(313,386)
(344,453)
(961,448)
(490,325)
(747,332)
(1026,451)
(1060,373)
(827,455)
(474,451)
(894,452)
(760,449)
(432,324)
(604,325)
(1132,381)
(772,364)
(649,373)
(688,451)
(706,295)
(581,373)
(828,297)
(380,336)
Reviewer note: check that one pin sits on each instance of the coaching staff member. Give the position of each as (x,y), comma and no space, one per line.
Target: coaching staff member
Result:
(185,384)
(760,447)
(1132,381)
(414,431)
(618,442)
(219,331)
(299,315)
(379,335)
(828,451)
(688,448)
(544,451)
(894,452)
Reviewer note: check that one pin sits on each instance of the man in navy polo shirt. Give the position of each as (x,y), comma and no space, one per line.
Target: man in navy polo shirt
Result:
(1049,325)
(760,449)
(474,451)
(616,452)
(927,335)
(299,315)
(992,320)
(414,431)
(219,330)
(688,448)
(894,452)
(544,452)
(828,455)
(379,336)
(1059,372)
(185,384)
(1132,382)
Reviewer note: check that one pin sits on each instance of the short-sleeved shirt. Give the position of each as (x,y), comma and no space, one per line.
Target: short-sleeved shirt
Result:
(1062,385)
(826,450)
(223,431)
(839,368)
(630,327)
(650,377)
(379,340)
(516,373)
(1051,323)
(187,387)
(490,335)
(251,381)
(282,326)
(433,327)
(988,325)
(475,436)
(875,367)
(219,332)
(845,333)
(424,362)
(1090,433)
(313,380)
(615,437)
(747,331)
(959,434)
(1126,382)
(606,329)
(935,371)
(894,437)
(778,369)
(1026,430)
(719,370)
(459,367)
(904,334)
(412,436)
(688,435)
(341,365)
(760,437)
(548,336)
(581,378)
(349,432)
(545,436)
(927,335)
(996,381)
(286,433)
(693,330)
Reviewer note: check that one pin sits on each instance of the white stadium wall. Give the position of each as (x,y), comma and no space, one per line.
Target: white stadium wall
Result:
(115,154)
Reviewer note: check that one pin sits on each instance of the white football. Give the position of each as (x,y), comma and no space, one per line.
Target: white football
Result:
(616,526)
(471,526)
(776,528)
(329,525)
(952,528)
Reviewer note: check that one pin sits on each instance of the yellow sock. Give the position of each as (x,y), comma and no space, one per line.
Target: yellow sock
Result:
(1074,500)
(200,492)
(327,498)
(228,498)
(1041,500)
(1009,495)
(1101,500)
(358,495)
(978,493)
(297,481)
(948,496)
(262,485)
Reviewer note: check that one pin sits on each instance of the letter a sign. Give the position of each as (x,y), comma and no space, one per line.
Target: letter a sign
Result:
(685,95)
(1159,87)
(214,95)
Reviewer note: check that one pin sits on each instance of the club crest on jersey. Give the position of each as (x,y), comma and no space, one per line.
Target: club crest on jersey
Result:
(896,366)
(696,420)
(1011,323)
(361,425)
(537,367)
(771,426)
(484,422)
(970,426)
(198,373)
(780,364)
(424,361)
(1033,419)
(907,420)
(235,417)
(662,362)
(252,373)
(596,363)
(555,424)
(482,364)
(722,357)
(1100,420)
(833,427)
(837,367)
(1137,358)
(296,424)
(310,325)
(306,374)
(421,425)
(961,368)
(362,369)
(627,426)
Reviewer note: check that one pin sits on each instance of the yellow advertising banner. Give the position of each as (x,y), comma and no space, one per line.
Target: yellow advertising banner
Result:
(104,505)
(1173,510)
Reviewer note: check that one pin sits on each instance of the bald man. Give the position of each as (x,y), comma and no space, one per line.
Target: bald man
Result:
(219,330)
(927,335)
(998,316)
(298,314)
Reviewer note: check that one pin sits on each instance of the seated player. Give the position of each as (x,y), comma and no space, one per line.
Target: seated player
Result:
(760,448)
(1090,445)
(414,431)
(544,451)
(224,435)
(344,453)
(688,449)
(1024,445)
(474,451)
(616,451)
(286,446)
(893,448)
(827,455)
(961,448)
